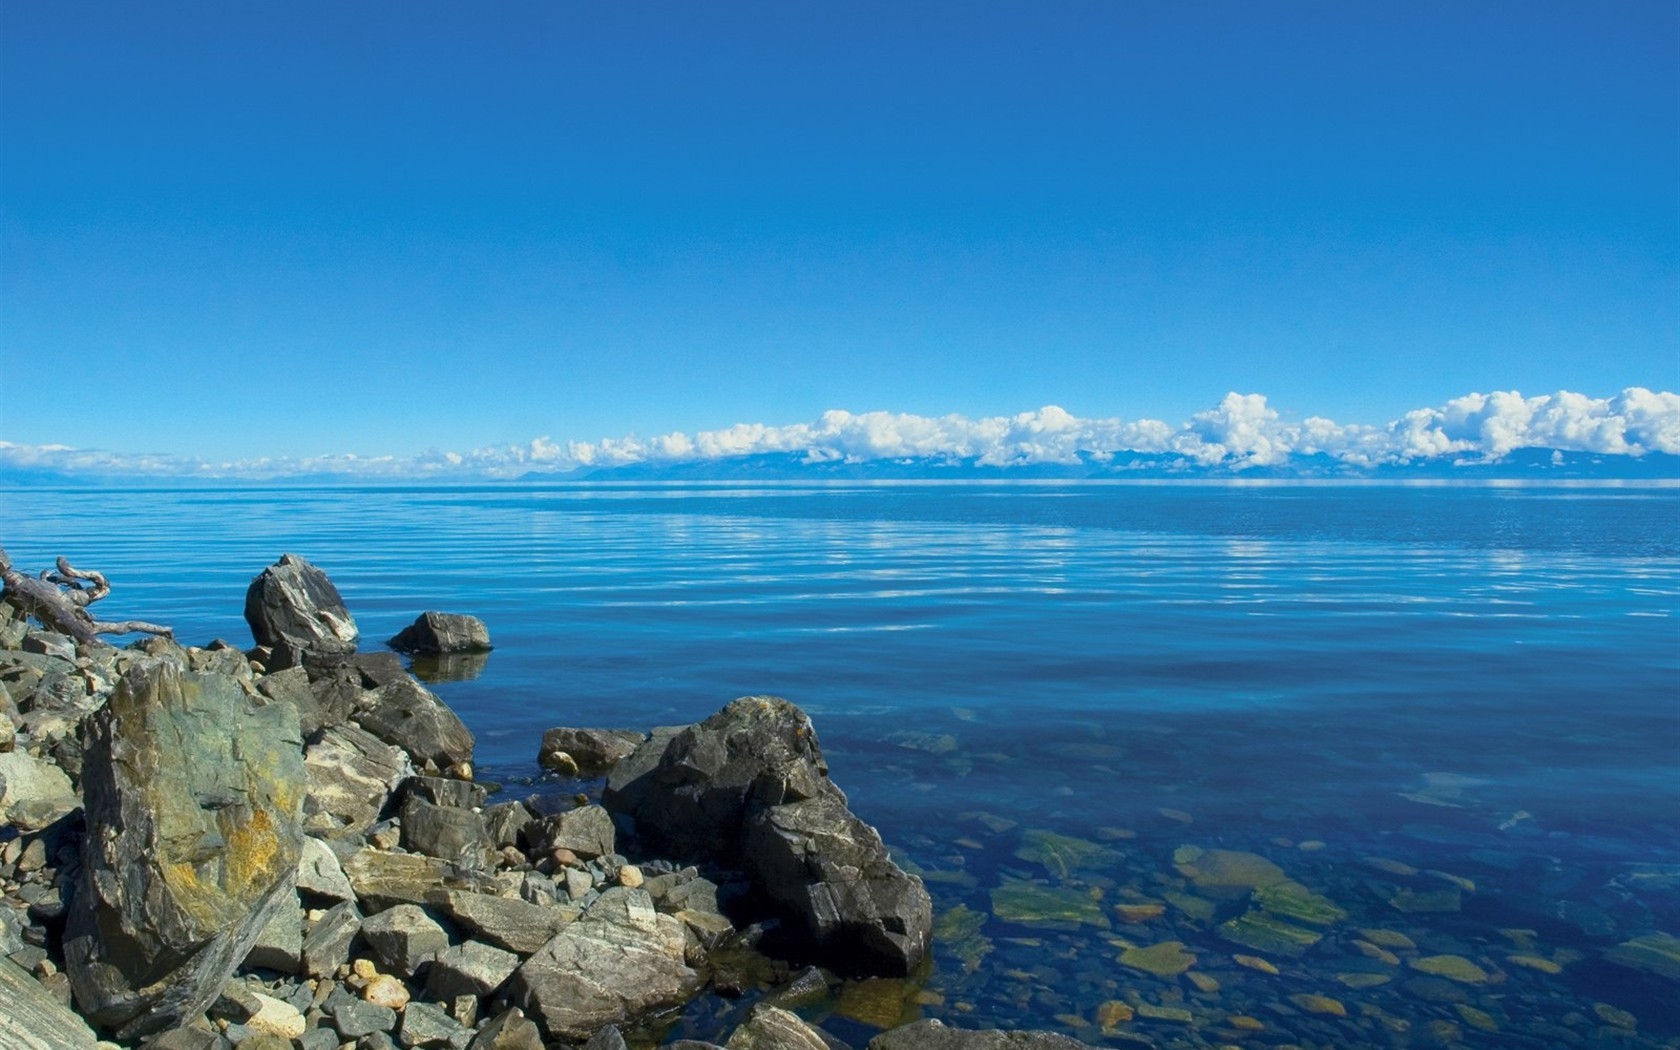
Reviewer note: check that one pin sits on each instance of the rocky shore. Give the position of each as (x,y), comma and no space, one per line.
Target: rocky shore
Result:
(283,848)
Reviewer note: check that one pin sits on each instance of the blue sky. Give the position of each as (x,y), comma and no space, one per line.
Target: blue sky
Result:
(242,230)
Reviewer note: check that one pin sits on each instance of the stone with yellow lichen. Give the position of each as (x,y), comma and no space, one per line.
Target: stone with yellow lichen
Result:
(1167,959)
(1113,1012)
(194,796)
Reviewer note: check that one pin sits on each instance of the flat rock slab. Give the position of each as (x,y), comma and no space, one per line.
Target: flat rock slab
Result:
(34,1020)
(194,800)
(505,922)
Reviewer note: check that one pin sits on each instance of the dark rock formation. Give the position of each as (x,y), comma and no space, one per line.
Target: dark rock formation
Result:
(446,832)
(436,632)
(407,715)
(587,752)
(194,799)
(296,611)
(749,787)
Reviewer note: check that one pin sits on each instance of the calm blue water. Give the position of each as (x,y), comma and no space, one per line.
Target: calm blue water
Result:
(1351,681)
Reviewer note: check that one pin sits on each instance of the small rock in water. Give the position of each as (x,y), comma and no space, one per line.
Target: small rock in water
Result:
(1113,1012)
(1167,959)
(1452,967)
(1319,1004)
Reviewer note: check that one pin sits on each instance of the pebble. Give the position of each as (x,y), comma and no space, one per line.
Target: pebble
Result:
(1452,967)
(385,990)
(1534,962)
(1319,1004)
(1254,962)
(630,876)
(1615,1016)
(276,1018)
(1245,1023)
(1114,1012)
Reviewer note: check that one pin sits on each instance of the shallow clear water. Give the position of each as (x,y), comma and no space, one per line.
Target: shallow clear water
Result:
(1459,698)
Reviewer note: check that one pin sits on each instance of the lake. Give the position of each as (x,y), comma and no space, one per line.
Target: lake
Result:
(1260,764)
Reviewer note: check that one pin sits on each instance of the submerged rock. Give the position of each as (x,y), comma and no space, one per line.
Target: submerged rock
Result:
(934,1035)
(587,752)
(1655,953)
(294,609)
(194,793)
(435,632)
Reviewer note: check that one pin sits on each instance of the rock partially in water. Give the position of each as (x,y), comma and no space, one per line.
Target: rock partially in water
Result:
(772,1028)
(436,632)
(405,714)
(194,791)
(294,609)
(587,752)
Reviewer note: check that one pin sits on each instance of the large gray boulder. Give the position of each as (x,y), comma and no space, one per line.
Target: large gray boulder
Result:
(405,714)
(748,787)
(828,872)
(435,632)
(194,804)
(620,960)
(351,773)
(33,792)
(296,611)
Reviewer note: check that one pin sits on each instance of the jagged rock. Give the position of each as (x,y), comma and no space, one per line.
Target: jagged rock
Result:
(588,752)
(427,1025)
(690,793)
(608,1038)
(407,715)
(436,632)
(352,1018)
(296,611)
(749,786)
(320,873)
(319,705)
(34,1019)
(620,960)
(194,802)
(448,833)
(33,793)
(587,831)
(469,968)
(350,774)
(933,1035)
(279,947)
(506,823)
(508,1030)
(772,1028)
(444,791)
(9,719)
(505,922)
(829,871)
(326,946)
(382,879)
(403,937)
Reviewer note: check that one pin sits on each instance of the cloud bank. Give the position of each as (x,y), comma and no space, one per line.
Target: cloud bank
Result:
(1241,433)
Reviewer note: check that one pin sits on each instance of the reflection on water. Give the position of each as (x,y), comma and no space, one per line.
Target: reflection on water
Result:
(433,668)
(1196,766)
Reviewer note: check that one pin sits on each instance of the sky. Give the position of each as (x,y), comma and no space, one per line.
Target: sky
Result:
(303,230)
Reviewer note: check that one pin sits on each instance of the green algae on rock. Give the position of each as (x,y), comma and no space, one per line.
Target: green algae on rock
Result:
(1264,932)
(1224,871)
(1035,904)
(1062,855)
(1291,900)
(1167,959)
(958,930)
(1452,967)
(1655,953)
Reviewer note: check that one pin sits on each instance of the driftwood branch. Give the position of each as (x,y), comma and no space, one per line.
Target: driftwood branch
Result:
(59,601)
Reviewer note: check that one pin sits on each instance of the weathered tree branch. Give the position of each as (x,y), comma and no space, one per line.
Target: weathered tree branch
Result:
(65,610)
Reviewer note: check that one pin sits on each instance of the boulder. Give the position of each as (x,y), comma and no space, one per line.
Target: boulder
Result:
(934,1035)
(519,926)
(34,1019)
(448,833)
(508,1030)
(619,961)
(436,632)
(587,752)
(350,774)
(405,714)
(772,1028)
(320,873)
(326,946)
(194,804)
(828,871)
(444,791)
(279,947)
(587,831)
(403,937)
(33,793)
(382,879)
(469,968)
(749,787)
(296,611)
(321,704)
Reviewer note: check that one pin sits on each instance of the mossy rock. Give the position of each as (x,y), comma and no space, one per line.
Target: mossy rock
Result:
(1062,855)
(1655,953)
(1051,907)
(1291,900)
(1267,933)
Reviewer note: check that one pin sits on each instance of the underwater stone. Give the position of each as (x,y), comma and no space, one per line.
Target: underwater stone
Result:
(1291,900)
(1267,933)
(1655,953)
(1225,869)
(1062,855)
(1452,967)
(1167,959)
(1034,904)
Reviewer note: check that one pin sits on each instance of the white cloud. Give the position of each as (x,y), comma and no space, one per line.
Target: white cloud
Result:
(1243,431)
